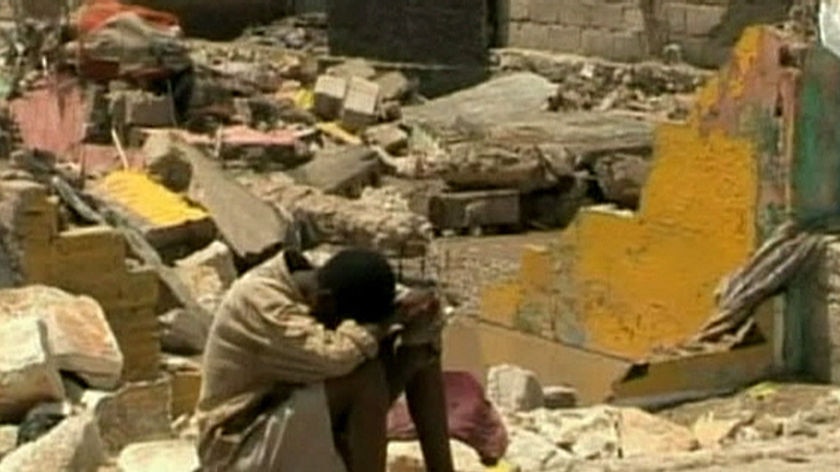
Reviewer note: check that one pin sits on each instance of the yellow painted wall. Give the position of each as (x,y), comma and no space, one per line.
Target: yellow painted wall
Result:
(626,283)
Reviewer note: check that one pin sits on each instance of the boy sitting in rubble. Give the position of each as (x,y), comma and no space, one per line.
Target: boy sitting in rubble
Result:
(302,366)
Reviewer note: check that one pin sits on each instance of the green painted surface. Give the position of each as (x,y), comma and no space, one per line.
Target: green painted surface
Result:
(816,167)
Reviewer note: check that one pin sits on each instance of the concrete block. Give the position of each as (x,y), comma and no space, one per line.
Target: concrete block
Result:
(329,96)
(514,389)
(674,14)
(564,38)
(702,19)
(608,15)
(535,36)
(138,412)
(80,339)
(544,11)
(596,43)
(360,105)
(629,46)
(519,9)
(28,372)
(74,445)
(634,19)
(574,13)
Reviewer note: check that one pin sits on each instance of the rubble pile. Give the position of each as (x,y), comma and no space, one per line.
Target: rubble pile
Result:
(304,32)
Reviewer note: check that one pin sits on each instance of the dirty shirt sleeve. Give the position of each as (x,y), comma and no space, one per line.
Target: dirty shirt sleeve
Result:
(298,349)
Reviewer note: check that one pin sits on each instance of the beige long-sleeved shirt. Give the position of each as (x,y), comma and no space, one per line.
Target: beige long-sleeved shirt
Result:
(264,341)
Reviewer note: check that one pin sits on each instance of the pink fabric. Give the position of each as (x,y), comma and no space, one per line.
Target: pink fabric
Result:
(472,418)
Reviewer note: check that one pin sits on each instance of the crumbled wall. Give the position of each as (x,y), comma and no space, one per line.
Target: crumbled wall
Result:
(632,30)
(625,283)
(89,261)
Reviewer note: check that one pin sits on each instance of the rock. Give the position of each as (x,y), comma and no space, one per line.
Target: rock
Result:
(138,412)
(329,96)
(622,178)
(72,446)
(514,389)
(80,339)
(531,452)
(361,105)
(28,373)
(712,433)
(558,397)
(393,86)
(643,434)
(408,457)
(169,456)
(8,439)
(388,136)
(166,164)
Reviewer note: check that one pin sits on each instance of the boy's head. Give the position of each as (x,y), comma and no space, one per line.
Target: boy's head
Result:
(359,284)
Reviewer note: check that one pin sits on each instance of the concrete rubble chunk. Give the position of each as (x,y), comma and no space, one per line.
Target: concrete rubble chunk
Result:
(361,105)
(643,434)
(73,446)
(216,256)
(208,274)
(393,86)
(329,96)
(80,339)
(8,439)
(169,456)
(557,397)
(166,163)
(28,372)
(389,136)
(514,389)
(408,457)
(532,452)
(136,413)
(344,171)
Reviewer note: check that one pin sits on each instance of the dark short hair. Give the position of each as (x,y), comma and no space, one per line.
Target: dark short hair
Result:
(362,285)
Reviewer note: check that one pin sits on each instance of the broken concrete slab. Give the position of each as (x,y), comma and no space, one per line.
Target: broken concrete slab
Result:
(342,171)
(249,234)
(28,373)
(78,333)
(361,105)
(514,389)
(169,456)
(166,219)
(138,412)
(74,445)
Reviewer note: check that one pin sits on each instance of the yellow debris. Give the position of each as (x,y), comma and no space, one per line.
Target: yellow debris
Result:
(147,199)
(502,466)
(335,131)
(304,99)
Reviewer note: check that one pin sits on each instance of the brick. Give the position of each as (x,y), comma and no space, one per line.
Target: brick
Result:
(629,47)
(574,13)
(564,38)
(596,43)
(702,19)
(675,16)
(634,19)
(329,96)
(360,105)
(544,11)
(519,9)
(608,15)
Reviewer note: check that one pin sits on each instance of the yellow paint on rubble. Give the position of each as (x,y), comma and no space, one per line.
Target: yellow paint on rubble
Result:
(627,283)
(149,200)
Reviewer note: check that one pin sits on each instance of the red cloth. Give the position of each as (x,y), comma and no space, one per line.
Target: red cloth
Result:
(472,418)
(96,12)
